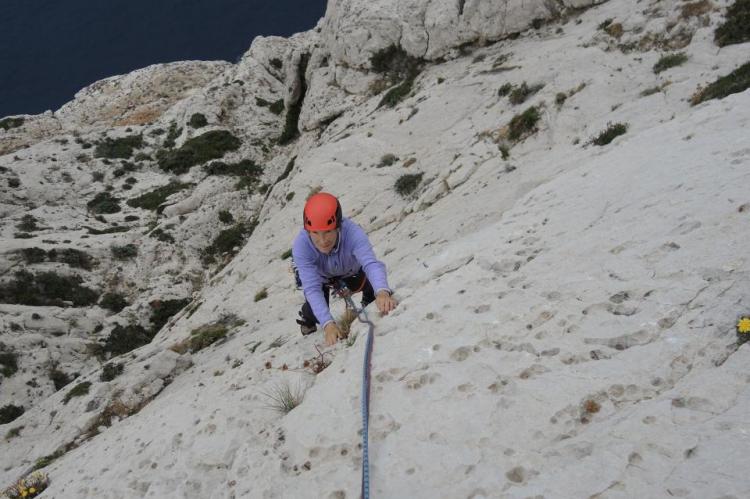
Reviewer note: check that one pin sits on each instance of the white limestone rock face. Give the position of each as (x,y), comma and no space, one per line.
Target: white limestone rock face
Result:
(140,97)
(354,30)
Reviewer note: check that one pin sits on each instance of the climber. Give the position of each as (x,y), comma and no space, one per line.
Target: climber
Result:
(329,250)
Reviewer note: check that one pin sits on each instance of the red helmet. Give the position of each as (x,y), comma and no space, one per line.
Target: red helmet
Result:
(322,212)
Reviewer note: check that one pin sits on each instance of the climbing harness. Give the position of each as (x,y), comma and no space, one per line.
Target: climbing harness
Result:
(344,292)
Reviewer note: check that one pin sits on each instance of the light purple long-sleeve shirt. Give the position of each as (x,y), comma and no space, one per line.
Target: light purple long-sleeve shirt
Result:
(352,251)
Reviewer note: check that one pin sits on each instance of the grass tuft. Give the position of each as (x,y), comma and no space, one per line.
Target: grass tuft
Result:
(735,82)
(670,61)
(283,398)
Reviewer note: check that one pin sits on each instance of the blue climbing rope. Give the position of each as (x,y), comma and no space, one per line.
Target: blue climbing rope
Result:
(362,316)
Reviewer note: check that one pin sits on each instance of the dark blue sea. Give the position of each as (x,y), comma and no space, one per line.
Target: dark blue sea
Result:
(50,49)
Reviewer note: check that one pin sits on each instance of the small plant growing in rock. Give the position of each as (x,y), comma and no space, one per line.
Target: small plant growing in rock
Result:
(277,107)
(104,202)
(27,223)
(118,148)
(504,90)
(406,184)
(286,254)
(197,120)
(610,133)
(736,28)
(13,432)
(522,92)
(110,371)
(154,199)
(229,239)
(46,288)
(162,235)
(10,413)
(59,378)
(225,217)
(8,123)
(205,336)
(79,390)
(283,398)
(387,160)
(123,339)
(524,124)
(113,301)
(735,82)
(670,61)
(124,252)
(261,295)
(200,149)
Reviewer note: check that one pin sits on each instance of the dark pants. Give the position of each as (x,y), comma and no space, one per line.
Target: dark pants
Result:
(357,282)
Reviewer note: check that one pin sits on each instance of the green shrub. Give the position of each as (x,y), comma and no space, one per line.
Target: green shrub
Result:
(104,202)
(110,230)
(154,199)
(123,339)
(27,223)
(286,254)
(609,134)
(110,371)
(8,361)
(200,149)
(524,124)
(670,61)
(59,378)
(736,28)
(229,239)
(735,82)
(79,390)
(522,92)
(277,107)
(225,217)
(72,257)
(45,461)
(397,93)
(8,123)
(406,184)
(97,176)
(162,236)
(395,63)
(13,432)
(118,148)
(387,160)
(206,335)
(197,120)
(172,135)
(163,310)
(261,295)
(113,301)
(124,252)
(244,168)
(10,413)
(33,255)
(46,289)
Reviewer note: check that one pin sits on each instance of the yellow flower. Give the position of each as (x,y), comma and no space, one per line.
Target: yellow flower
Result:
(743,326)
(32,490)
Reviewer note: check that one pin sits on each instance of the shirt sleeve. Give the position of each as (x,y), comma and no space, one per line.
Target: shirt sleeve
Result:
(312,283)
(374,268)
